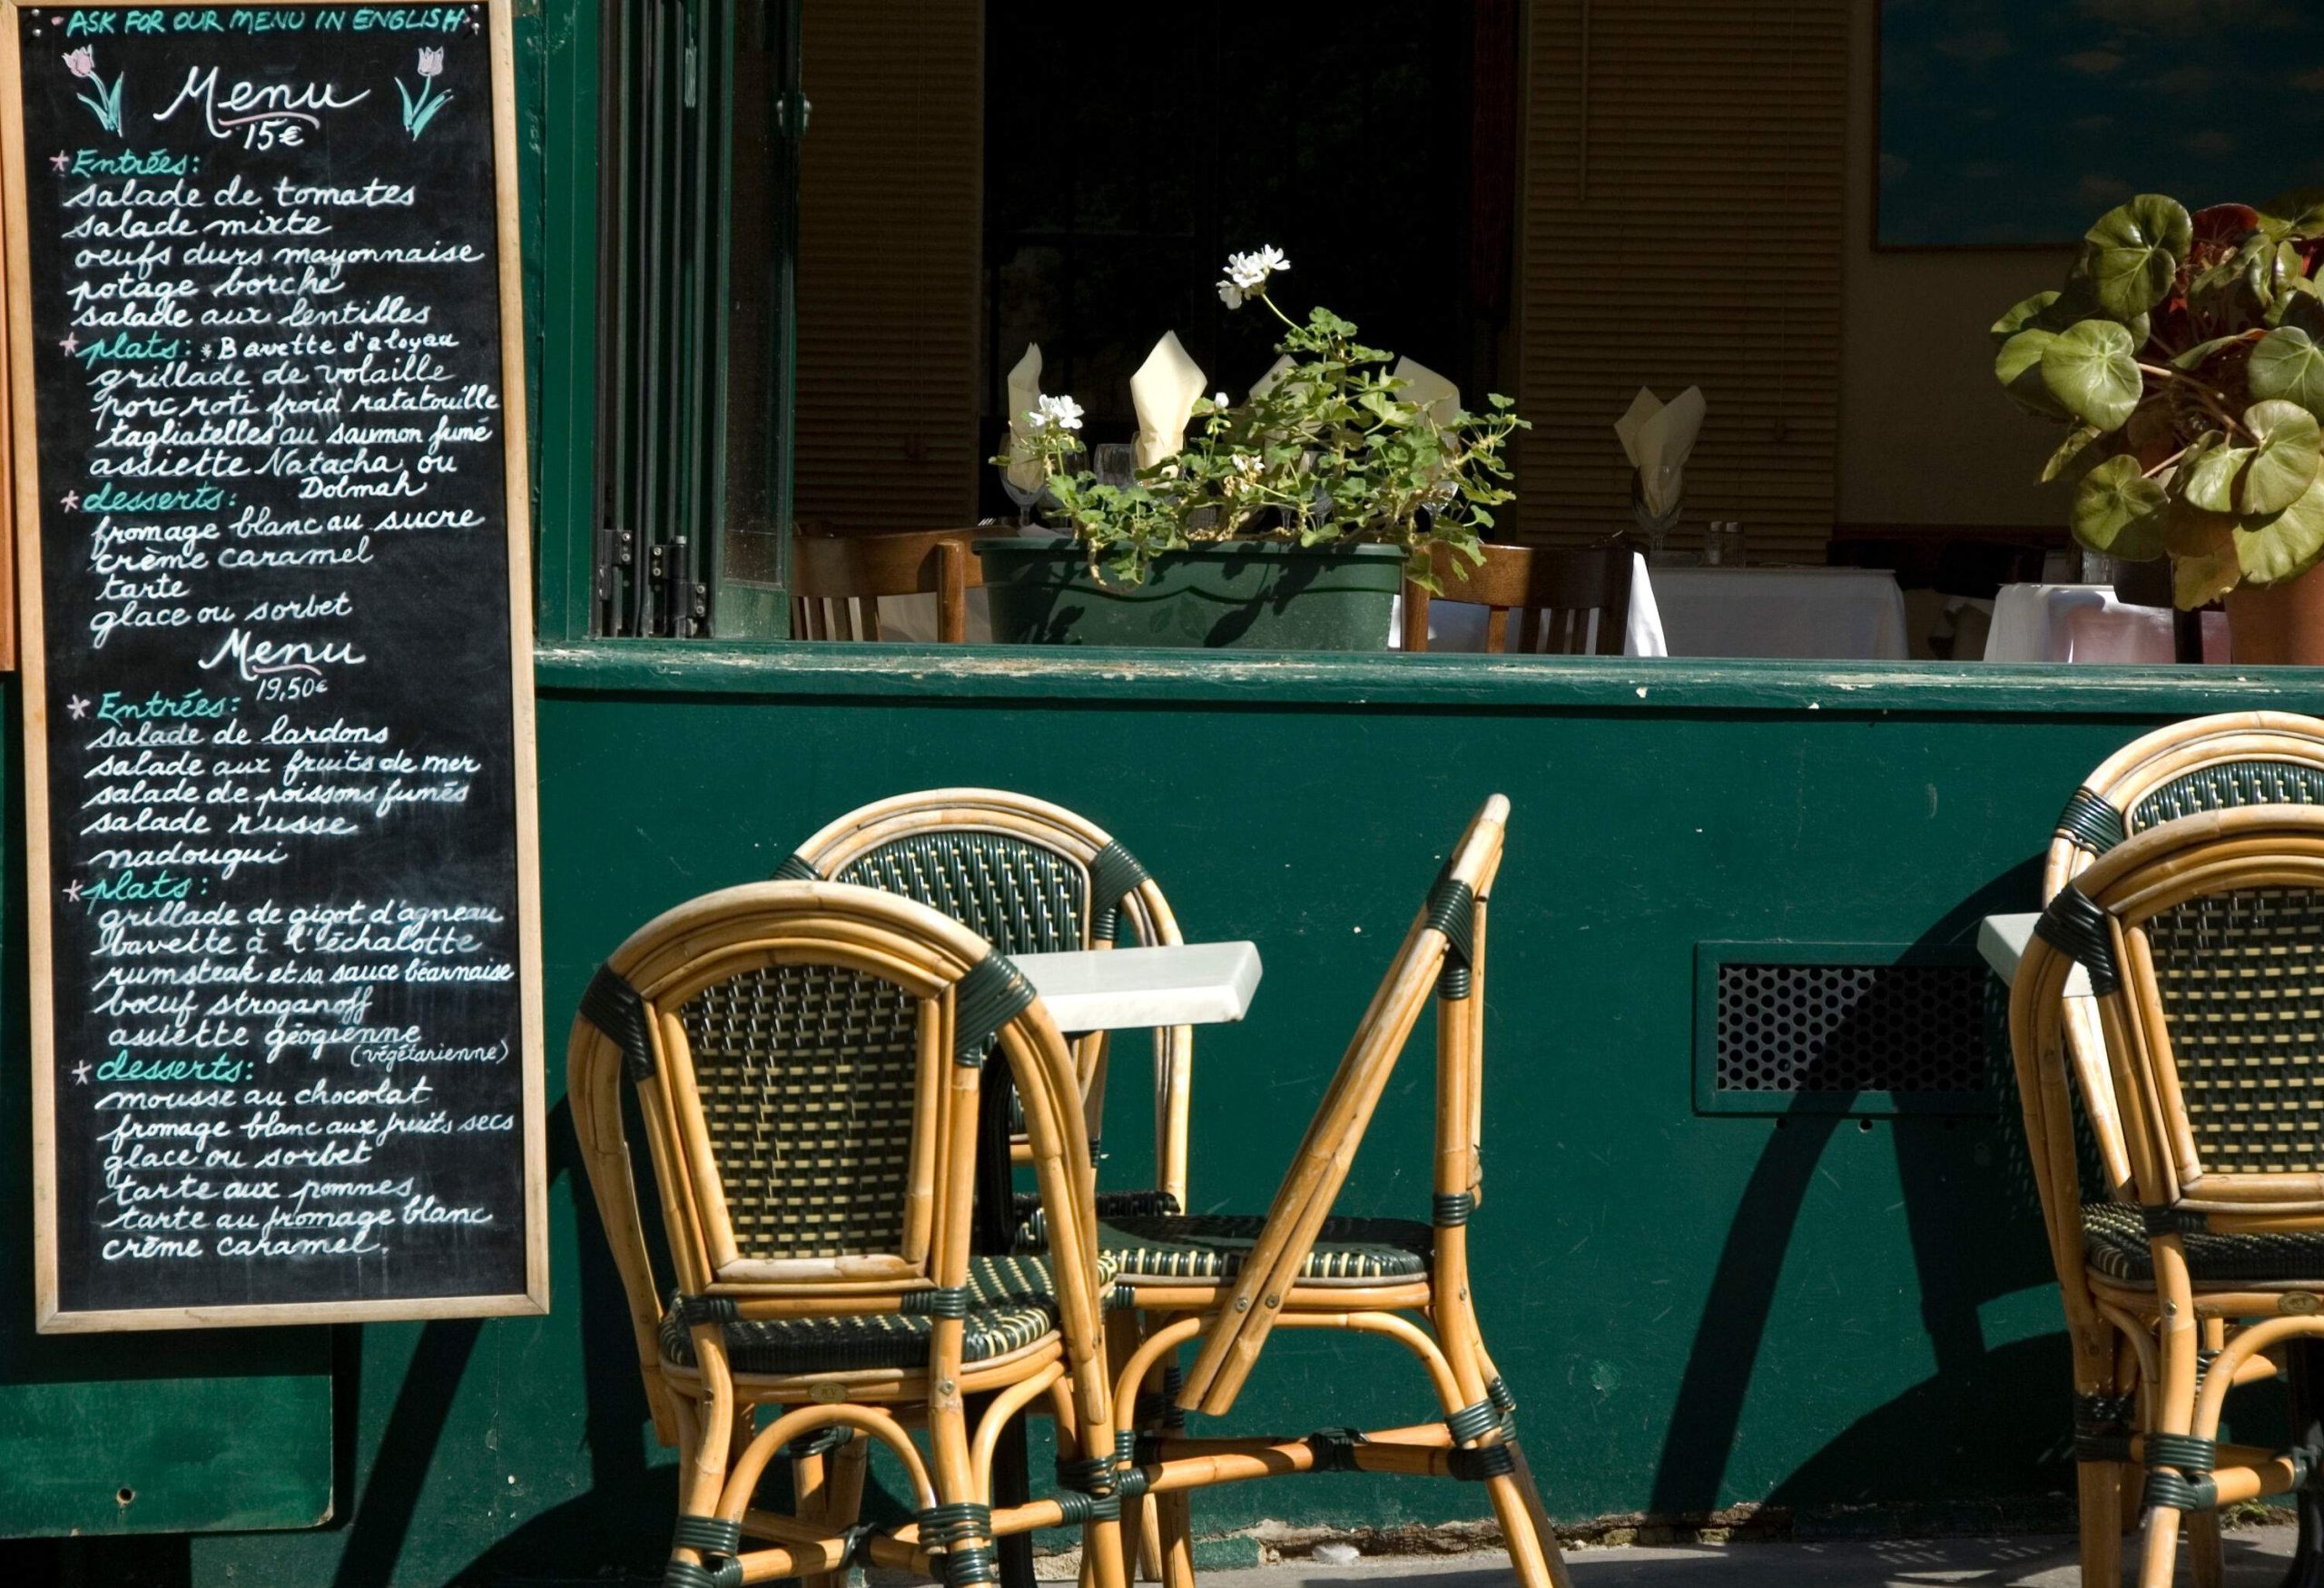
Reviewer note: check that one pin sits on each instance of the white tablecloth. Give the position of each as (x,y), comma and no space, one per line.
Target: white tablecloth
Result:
(2086,623)
(1816,614)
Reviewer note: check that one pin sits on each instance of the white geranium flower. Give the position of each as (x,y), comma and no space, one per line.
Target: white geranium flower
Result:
(1246,274)
(1218,399)
(1054,413)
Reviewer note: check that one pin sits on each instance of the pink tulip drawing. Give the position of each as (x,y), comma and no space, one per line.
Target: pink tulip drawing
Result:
(105,103)
(419,109)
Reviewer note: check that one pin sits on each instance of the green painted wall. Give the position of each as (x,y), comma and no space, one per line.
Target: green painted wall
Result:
(1693,1310)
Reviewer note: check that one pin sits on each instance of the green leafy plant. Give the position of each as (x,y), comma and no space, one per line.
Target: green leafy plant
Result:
(2185,354)
(1326,449)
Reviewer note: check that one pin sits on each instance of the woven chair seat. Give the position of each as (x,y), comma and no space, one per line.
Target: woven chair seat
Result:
(1011,1305)
(1167,1248)
(2115,1244)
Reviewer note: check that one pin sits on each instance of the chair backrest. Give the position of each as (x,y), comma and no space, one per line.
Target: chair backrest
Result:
(806,1058)
(2203,940)
(837,580)
(1442,955)
(1568,600)
(2225,762)
(2205,763)
(1029,877)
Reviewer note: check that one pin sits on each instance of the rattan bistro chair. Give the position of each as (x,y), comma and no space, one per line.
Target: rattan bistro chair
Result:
(2203,943)
(1028,877)
(1221,1284)
(2214,763)
(807,1059)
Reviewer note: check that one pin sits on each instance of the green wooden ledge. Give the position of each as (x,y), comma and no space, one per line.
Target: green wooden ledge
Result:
(973,672)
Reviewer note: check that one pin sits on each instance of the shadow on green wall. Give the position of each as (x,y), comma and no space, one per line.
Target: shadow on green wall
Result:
(1975,1237)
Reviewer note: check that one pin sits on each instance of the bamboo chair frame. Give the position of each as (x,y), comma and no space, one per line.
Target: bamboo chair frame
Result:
(837,580)
(1442,957)
(1553,590)
(1103,863)
(709,1411)
(2110,1369)
(2151,1343)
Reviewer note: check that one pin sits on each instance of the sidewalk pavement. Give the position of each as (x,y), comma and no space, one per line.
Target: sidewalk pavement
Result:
(2255,1559)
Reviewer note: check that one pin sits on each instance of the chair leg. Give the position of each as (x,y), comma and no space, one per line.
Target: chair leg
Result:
(842,1500)
(2204,1553)
(2172,1401)
(1532,1540)
(2103,1415)
(1174,1538)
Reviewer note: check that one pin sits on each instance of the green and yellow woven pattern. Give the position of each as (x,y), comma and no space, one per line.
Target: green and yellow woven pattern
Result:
(806,1074)
(2114,1243)
(1161,1248)
(2229,786)
(1012,1303)
(1017,896)
(2241,979)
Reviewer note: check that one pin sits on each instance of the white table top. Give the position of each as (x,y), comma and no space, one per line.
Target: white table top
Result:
(2001,940)
(1112,990)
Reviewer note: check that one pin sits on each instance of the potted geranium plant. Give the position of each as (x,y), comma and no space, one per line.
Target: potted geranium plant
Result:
(1287,522)
(2185,354)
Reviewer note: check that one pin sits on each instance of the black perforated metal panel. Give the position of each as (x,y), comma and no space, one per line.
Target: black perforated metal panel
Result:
(1852,1028)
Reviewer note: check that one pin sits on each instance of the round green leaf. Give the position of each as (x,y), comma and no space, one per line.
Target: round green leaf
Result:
(2033,311)
(2285,436)
(2287,363)
(2134,251)
(2283,545)
(2091,370)
(2018,367)
(2297,213)
(2075,446)
(2207,477)
(2118,511)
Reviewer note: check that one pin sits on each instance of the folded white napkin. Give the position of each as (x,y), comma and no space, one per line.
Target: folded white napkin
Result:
(1163,391)
(1276,372)
(1024,396)
(1658,437)
(1432,390)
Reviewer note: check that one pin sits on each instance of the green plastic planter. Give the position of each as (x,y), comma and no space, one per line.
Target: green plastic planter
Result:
(1240,595)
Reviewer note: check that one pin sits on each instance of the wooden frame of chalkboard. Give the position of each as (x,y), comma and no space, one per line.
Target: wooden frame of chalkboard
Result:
(524,1258)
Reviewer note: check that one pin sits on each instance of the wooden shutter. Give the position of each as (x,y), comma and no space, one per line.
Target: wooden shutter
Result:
(891,246)
(1681,227)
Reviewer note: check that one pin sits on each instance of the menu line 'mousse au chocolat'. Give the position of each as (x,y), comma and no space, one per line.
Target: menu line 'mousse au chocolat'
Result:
(277,718)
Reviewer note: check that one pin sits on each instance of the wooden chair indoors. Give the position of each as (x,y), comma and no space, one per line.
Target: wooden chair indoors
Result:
(2215,762)
(2202,939)
(1570,601)
(807,1059)
(1028,877)
(1221,1283)
(837,580)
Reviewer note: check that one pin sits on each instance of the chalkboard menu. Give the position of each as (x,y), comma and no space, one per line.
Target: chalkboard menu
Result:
(267,390)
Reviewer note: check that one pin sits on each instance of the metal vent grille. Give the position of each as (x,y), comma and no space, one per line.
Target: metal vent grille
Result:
(1852,1028)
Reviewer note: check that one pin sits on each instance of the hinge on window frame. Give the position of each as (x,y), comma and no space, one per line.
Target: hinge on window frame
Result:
(791,114)
(685,602)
